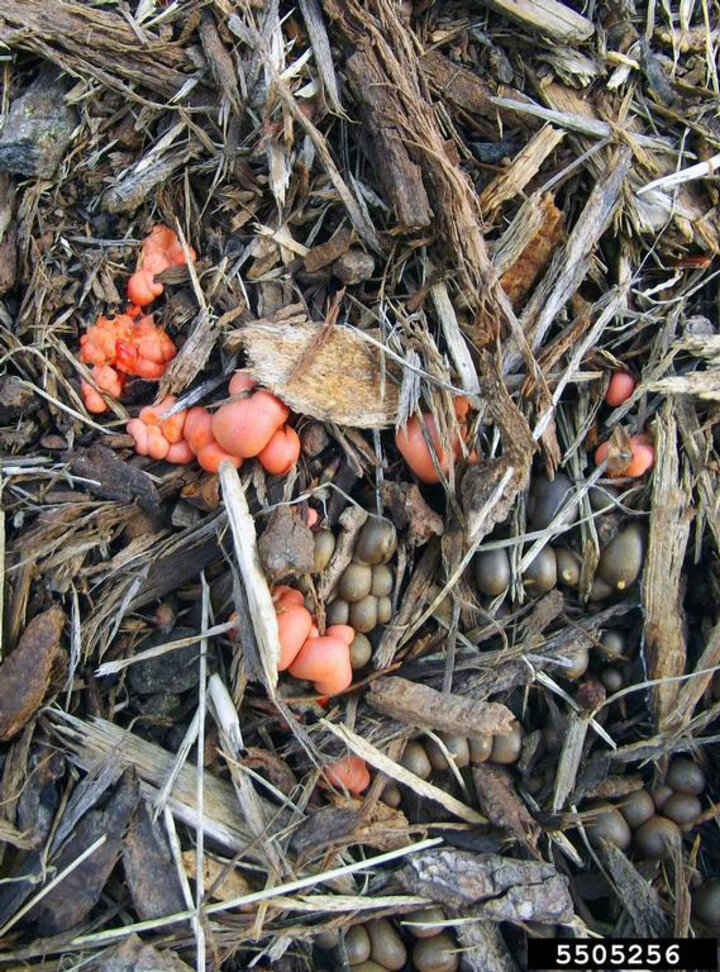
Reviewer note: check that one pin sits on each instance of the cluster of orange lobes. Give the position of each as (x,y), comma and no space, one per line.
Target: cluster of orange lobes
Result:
(323,660)
(132,343)
(252,426)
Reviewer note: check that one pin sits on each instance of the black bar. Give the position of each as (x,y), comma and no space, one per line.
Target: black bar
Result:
(623,953)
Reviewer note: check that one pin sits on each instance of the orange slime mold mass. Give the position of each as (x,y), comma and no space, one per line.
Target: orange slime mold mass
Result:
(643,455)
(161,249)
(282,451)
(158,437)
(325,661)
(245,427)
(108,380)
(350,773)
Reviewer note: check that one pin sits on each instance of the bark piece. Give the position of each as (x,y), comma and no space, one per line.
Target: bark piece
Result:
(71,900)
(324,254)
(410,511)
(511,890)
(221,64)
(671,514)
(286,547)
(501,804)
(459,85)
(637,894)
(95,42)
(111,478)
(354,266)
(361,394)
(16,398)
(133,955)
(519,278)
(414,704)
(521,170)
(400,177)
(25,674)
(484,948)
(150,870)
(8,238)
(174,671)
(39,127)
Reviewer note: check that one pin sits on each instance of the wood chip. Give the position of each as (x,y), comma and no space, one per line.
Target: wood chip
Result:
(499,801)
(25,673)
(414,704)
(150,870)
(286,547)
(670,517)
(356,396)
(548,17)
(511,889)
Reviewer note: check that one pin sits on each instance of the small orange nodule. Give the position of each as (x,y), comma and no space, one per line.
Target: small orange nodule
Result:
(161,249)
(240,382)
(621,386)
(210,457)
(198,428)
(282,451)
(180,453)
(413,448)
(245,427)
(142,288)
(342,631)
(149,440)
(313,517)
(351,773)
(283,594)
(326,662)
(294,623)
(172,427)
(643,455)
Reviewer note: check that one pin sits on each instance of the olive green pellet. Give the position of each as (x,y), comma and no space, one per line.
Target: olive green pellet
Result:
(357,945)
(657,838)
(637,808)
(568,567)
(612,645)
(364,614)
(360,650)
(492,572)
(480,748)
(609,825)
(612,679)
(387,947)
(415,760)
(432,915)
(455,744)
(541,573)
(324,549)
(622,560)
(546,498)
(356,582)
(706,903)
(384,610)
(376,542)
(684,776)
(338,612)
(391,794)
(507,745)
(438,954)
(682,809)
(382,580)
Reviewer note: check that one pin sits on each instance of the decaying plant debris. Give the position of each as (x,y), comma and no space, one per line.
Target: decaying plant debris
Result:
(466,218)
